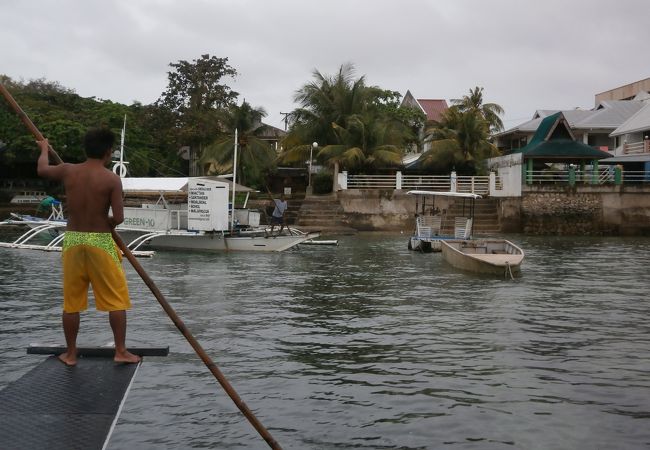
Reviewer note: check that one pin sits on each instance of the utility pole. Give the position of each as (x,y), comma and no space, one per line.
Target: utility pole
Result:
(286,119)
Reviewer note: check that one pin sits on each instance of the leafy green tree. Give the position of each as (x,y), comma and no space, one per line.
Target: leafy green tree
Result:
(255,157)
(195,94)
(63,117)
(156,149)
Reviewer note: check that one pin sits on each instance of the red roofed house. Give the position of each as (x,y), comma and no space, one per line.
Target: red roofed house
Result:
(433,108)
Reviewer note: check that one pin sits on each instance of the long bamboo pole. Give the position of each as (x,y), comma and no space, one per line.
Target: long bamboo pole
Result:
(223,381)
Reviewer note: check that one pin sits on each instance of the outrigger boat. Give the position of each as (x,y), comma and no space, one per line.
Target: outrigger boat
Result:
(56,215)
(429,219)
(206,221)
(43,234)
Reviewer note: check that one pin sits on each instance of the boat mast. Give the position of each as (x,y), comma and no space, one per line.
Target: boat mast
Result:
(119,167)
(234,180)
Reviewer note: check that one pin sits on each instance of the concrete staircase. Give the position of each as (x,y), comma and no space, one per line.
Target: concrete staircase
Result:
(486,216)
(323,213)
(294,204)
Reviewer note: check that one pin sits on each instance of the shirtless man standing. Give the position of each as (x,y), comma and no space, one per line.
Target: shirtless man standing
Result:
(89,253)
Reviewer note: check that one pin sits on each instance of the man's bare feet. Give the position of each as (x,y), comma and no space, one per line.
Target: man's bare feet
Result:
(126,357)
(68,359)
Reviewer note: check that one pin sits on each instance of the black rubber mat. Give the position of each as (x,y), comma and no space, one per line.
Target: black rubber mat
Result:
(58,407)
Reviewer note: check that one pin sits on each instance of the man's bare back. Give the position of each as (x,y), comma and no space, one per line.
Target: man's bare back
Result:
(91,189)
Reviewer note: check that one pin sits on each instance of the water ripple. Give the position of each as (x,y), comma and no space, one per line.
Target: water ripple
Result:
(368,345)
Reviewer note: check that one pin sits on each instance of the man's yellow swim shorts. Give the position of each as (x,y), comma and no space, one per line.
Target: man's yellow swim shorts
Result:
(93,258)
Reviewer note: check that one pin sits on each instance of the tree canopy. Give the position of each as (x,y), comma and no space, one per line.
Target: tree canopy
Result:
(254,156)
(355,125)
(63,117)
(461,139)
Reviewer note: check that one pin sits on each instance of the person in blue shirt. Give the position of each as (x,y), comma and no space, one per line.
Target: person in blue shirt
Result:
(277,218)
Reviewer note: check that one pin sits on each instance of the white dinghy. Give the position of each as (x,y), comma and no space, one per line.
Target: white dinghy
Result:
(487,256)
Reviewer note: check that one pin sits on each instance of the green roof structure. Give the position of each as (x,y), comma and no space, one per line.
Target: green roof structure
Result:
(554,140)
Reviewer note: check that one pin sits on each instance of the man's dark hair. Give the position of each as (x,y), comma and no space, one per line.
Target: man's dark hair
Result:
(98,141)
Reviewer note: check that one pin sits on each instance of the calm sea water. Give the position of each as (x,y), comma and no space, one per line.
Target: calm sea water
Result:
(368,345)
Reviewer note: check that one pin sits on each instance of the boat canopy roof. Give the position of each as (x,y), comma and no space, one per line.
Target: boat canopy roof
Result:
(171,184)
(445,194)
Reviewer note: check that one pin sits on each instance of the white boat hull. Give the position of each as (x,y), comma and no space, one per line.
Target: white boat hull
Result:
(486,256)
(220,242)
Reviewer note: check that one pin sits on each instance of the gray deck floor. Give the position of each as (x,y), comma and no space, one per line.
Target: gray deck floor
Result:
(58,407)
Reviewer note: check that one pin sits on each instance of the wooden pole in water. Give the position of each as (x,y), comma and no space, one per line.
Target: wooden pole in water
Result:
(223,381)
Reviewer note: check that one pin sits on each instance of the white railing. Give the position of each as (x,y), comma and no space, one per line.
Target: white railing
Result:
(427,182)
(371,182)
(475,185)
(440,183)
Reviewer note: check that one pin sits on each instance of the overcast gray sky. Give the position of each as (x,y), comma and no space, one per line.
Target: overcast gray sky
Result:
(527,55)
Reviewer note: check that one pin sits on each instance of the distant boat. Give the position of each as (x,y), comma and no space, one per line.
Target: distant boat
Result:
(28,197)
(427,236)
(487,256)
(206,220)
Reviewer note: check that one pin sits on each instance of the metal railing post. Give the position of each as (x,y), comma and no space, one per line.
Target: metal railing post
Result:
(572,175)
(343,180)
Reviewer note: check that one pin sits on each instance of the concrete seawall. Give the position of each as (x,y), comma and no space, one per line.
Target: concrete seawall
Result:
(591,210)
(544,210)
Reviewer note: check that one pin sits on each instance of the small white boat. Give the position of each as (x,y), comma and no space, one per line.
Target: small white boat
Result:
(28,197)
(487,256)
(428,235)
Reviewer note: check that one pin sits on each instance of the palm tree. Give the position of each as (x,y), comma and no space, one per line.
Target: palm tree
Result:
(489,111)
(460,141)
(254,155)
(344,116)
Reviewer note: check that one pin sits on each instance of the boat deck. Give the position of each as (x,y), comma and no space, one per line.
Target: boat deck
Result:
(58,407)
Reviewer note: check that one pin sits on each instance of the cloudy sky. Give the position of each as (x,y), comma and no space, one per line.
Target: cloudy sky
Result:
(526,54)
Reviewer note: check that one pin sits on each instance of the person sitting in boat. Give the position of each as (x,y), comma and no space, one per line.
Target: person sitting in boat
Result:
(277,218)
(44,208)
(90,256)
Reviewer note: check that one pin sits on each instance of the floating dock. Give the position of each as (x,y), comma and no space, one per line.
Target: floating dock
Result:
(54,406)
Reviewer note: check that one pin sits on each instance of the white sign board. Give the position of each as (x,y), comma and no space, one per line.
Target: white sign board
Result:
(207,205)
(154,219)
